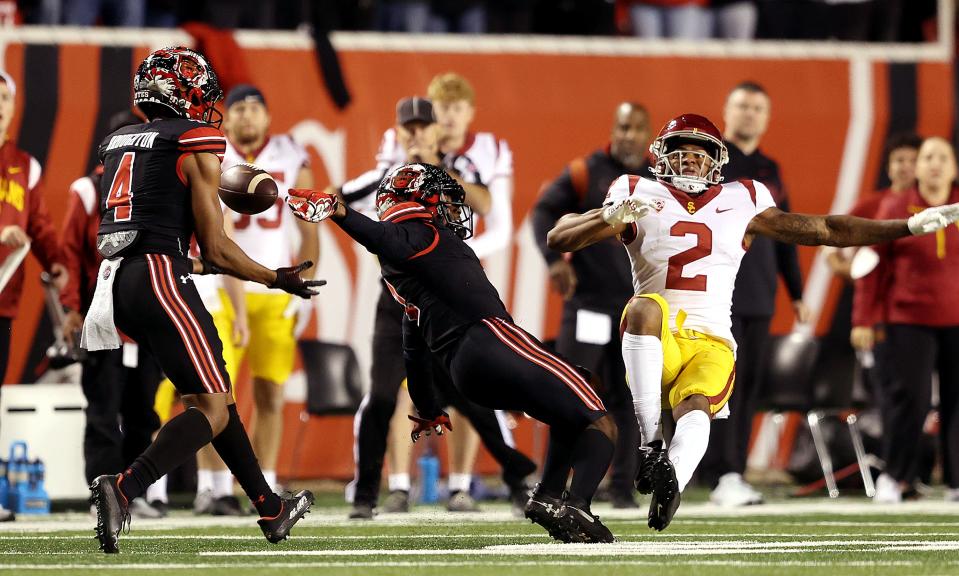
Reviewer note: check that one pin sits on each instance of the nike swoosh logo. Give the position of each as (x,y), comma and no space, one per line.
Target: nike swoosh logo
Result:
(718,211)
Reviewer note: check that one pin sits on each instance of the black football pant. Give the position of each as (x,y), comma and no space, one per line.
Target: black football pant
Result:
(729,438)
(912,354)
(120,417)
(372,423)
(606,363)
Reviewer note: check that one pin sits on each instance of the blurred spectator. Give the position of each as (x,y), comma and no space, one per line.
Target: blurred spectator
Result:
(120,384)
(595,282)
(441,16)
(128,13)
(848,19)
(685,19)
(509,16)
(912,291)
(746,117)
(574,17)
(24,220)
(733,19)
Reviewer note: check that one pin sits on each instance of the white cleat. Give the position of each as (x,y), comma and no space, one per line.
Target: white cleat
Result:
(733,491)
(888,490)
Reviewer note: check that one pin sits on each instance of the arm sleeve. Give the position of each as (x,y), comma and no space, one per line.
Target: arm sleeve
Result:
(419,370)
(203,139)
(557,199)
(498,223)
(391,241)
(43,237)
(72,242)
(787,262)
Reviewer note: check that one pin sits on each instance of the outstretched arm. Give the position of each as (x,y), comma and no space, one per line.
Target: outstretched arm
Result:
(833,230)
(577,231)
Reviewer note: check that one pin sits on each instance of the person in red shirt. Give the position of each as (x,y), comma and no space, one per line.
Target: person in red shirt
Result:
(912,291)
(23,219)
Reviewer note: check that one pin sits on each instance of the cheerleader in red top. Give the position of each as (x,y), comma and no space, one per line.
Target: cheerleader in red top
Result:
(913,292)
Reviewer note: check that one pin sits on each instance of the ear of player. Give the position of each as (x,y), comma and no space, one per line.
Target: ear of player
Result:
(311,205)
(627,210)
(427,426)
(932,219)
(288,279)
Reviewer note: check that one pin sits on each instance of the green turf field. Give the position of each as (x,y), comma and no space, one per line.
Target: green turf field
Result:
(833,538)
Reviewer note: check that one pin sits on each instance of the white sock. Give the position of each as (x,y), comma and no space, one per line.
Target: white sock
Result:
(157,490)
(399,482)
(460,482)
(222,483)
(204,481)
(643,357)
(270,477)
(688,445)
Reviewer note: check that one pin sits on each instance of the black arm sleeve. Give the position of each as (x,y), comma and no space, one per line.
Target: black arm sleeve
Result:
(419,371)
(787,262)
(558,199)
(394,242)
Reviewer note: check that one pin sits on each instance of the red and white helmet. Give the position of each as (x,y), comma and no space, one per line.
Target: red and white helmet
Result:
(178,80)
(689,129)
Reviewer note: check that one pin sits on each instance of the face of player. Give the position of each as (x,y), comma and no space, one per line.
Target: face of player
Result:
(902,168)
(419,140)
(453,118)
(247,122)
(629,139)
(746,115)
(936,164)
(6,110)
(690,160)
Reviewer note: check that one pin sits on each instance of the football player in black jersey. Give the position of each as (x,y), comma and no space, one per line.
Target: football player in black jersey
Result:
(159,188)
(455,314)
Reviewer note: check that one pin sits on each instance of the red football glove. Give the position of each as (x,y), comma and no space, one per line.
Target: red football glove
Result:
(311,205)
(424,426)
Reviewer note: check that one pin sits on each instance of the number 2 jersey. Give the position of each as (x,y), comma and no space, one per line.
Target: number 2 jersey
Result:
(143,187)
(689,249)
(267,237)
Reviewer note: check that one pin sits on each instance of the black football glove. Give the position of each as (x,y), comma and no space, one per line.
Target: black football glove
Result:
(424,426)
(288,279)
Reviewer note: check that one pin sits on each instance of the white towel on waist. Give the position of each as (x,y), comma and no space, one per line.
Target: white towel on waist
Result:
(99,330)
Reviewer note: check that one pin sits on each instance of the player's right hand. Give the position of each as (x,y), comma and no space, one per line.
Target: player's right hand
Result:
(288,279)
(312,205)
(862,338)
(627,210)
(932,219)
(13,236)
(427,427)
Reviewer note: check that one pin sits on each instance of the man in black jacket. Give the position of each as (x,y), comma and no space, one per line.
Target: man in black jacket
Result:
(594,282)
(746,117)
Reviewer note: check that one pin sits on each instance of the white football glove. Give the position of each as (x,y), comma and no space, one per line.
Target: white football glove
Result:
(627,210)
(932,219)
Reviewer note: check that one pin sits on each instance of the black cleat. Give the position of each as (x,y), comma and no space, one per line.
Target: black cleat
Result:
(361,511)
(666,496)
(292,508)
(648,455)
(113,511)
(227,506)
(583,525)
(545,510)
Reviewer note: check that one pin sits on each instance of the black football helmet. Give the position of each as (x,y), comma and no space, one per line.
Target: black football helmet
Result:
(178,81)
(431,187)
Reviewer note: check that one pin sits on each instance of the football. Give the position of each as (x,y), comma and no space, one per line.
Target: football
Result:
(246,189)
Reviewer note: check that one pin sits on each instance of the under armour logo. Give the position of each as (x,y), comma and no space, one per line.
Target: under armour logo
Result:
(185,277)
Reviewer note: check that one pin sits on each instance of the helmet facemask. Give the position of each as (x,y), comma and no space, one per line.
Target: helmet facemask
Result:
(430,187)
(709,160)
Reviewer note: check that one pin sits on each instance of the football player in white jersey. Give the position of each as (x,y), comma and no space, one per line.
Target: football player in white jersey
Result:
(686,233)
(269,238)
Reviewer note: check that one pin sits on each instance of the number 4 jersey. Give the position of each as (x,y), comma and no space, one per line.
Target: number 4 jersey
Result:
(688,251)
(143,187)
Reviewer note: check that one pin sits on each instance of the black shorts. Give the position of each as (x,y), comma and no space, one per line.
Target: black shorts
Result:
(388,370)
(156,304)
(501,366)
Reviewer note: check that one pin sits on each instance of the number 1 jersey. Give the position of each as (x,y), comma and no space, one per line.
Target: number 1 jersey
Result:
(689,249)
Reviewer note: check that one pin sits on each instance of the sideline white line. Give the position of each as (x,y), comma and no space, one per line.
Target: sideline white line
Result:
(460,563)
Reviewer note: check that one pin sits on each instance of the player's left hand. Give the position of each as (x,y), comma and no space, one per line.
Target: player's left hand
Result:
(427,427)
(312,205)
(288,279)
(60,276)
(932,219)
